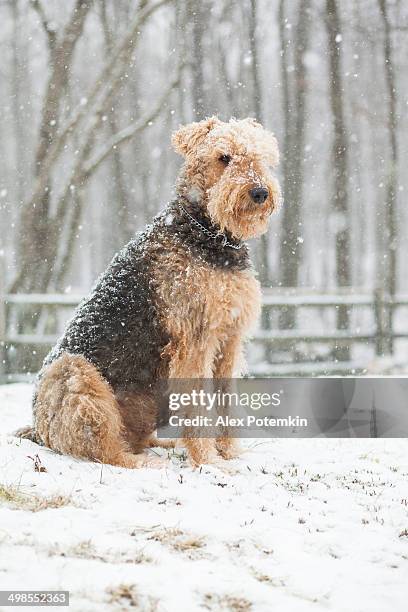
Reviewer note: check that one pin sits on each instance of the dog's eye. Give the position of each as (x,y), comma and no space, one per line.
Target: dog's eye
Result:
(225,159)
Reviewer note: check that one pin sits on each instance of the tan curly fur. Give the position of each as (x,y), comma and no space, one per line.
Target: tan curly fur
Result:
(77,414)
(206,311)
(208,315)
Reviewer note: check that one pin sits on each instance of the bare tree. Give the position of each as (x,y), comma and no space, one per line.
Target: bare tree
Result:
(198,17)
(389,258)
(340,162)
(118,189)
(17,93)
(42,246)
(294,96)
(91,91)
(227,77)
(263,250)
(34,234)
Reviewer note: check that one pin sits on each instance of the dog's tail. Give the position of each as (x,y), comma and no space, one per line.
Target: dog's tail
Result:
(27,433)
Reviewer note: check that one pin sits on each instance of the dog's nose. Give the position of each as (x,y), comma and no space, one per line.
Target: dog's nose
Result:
(258,194)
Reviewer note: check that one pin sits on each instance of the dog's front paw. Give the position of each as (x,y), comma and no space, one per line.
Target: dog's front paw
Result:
(229,448)
(201,451)
(199,459)
(142,460)
(155,462)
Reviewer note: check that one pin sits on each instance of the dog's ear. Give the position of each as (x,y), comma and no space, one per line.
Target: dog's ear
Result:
(190,136)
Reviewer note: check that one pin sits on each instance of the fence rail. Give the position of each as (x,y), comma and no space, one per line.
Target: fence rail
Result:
(380,334)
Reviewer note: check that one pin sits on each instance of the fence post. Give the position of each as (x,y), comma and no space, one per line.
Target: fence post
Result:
(389,324)
(2,321)
(383,323)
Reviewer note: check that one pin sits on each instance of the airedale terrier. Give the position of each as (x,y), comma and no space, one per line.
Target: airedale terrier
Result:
(176,302)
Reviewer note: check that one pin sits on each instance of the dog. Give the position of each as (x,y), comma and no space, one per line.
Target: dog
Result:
(176,303)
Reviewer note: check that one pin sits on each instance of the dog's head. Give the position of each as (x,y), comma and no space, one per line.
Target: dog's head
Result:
(228,168)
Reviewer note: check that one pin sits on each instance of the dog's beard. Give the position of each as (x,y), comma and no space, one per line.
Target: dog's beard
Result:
(232,209)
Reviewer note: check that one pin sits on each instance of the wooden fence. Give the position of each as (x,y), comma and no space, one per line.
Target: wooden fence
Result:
(379,334)
(269,344)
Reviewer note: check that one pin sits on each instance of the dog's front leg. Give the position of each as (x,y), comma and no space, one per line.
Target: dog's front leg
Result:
(191,362)
(229,363)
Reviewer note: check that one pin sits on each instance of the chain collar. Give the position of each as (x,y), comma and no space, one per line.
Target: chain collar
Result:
(215,235)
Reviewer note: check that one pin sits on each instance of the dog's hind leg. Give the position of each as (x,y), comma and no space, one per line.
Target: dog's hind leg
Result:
(139,415)
(76,413)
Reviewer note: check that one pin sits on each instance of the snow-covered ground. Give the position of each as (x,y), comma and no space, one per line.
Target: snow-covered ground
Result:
(294,525)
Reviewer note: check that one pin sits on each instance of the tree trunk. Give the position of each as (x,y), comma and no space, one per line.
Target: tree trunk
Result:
(198,15)
(340,205)
(118,189)
(40,232)
(391,232)
(37,232)
(294,113)
(263,248)
(263,244)
(17,82)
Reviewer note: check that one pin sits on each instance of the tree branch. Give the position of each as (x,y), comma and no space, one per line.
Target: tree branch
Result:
(127,133)
(84,169)
(50,33)
(34,218)
(83,109)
